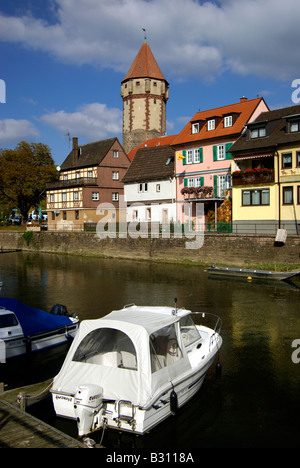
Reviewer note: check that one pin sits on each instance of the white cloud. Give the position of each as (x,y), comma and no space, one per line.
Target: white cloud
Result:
(189,37)
(13,131)
(93,121)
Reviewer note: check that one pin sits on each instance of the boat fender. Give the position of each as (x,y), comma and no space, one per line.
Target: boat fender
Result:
(173,402)
(28,345)
(218,370)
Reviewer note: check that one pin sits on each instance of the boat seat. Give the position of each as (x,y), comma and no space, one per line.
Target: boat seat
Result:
(128,360)
(112,359)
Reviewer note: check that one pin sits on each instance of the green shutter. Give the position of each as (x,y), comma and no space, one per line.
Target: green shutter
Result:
(185,182)
(227,146)
(184,154)
(215,186)
(201,181)
(215,153)
(201,154)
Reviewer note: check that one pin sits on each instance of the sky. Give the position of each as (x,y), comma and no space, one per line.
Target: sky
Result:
(62,62)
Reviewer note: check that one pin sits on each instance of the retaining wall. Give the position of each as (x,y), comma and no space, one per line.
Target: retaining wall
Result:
(229,249)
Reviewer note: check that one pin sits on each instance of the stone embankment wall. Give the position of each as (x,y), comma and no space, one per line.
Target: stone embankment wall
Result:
(228,249)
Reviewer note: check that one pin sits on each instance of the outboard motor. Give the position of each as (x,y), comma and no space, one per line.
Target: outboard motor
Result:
(87,403)
(59,309)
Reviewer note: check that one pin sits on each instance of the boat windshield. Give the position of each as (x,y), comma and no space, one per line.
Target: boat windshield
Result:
(8,320)
(188,329)
(107,347)
(164,348)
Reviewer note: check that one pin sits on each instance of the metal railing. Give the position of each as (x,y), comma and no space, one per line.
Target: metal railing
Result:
(216,328)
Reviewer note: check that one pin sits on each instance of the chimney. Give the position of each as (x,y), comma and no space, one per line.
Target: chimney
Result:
(243,99)
(75,150)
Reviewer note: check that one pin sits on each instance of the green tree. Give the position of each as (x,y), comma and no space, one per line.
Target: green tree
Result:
(24,171)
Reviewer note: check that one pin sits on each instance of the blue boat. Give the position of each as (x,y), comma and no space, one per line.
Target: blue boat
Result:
(25,329)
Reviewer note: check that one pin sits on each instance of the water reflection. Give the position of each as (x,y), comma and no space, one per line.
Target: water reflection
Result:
(256,402)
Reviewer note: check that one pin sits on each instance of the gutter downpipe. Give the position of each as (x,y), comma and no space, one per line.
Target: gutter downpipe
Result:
(279,194)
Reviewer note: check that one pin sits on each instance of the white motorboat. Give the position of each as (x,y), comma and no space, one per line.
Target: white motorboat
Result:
(134,367)
(25,329)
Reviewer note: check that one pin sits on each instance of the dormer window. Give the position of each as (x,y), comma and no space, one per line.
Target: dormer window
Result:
(195,127)
(228,121)
(293,123)
(211,124)
(258,132)
(295,127)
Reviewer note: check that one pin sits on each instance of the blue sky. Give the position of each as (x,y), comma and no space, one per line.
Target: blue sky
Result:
(62,61)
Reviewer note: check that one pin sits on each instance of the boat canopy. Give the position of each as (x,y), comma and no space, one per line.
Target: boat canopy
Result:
(32,320)
(131,353)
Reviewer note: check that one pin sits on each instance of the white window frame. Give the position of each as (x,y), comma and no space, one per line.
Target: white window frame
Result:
(195,127)
(90,174)
(221,152)
(64,196)
(143,187)
(224,183)
(115,196)
(76,196)
(211,124)
(52,198)
(228,121)
(115,154)
(95,196)
(115,175)
(196,156)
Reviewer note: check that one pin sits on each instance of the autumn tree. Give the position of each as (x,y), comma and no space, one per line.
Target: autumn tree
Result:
(24,171)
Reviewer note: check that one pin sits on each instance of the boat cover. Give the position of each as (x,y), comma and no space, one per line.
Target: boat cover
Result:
(130,331)
(33,320)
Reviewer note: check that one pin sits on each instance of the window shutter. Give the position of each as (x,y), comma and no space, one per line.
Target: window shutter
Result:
(227,146)
(201,181)
(185,182)
(215,153)
(201,154)
(215,186)
(184,154)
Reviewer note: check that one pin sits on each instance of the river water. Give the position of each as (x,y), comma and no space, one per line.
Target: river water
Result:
(255,403)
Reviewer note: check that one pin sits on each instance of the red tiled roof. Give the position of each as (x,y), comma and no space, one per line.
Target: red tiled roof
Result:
(160,141)
(144,65)
(243,109)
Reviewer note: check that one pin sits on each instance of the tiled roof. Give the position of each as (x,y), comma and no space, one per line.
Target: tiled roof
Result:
(242,110)
(90,154)
(159,141)
(144,66)
(275,131)
(152,163)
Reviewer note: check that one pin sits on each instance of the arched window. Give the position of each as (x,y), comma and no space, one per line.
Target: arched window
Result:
(107,347)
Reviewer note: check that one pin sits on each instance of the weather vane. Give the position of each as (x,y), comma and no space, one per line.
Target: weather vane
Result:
(145,37)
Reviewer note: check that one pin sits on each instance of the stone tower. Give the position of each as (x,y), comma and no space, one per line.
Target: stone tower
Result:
(145,92)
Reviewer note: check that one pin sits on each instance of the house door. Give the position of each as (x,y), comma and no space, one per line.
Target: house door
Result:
(164,216)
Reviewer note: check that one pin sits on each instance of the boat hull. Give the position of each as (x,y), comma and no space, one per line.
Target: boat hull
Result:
(249,274)
(144,419)
(20,346)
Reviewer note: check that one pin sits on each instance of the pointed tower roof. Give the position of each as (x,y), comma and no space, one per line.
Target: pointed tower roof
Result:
(144,66)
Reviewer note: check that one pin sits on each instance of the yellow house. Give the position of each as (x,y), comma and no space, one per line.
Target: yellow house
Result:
(266,174)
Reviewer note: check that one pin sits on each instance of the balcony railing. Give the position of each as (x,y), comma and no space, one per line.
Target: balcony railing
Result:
(78,182)
(252,177)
